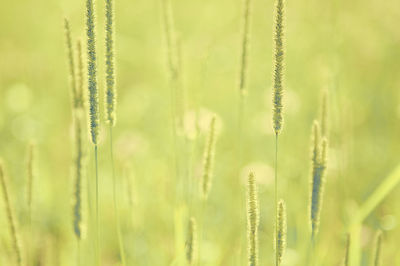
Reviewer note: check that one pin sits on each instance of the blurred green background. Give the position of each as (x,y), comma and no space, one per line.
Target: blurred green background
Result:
(350,48)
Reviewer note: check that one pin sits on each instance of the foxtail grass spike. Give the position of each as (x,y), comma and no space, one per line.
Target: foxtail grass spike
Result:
(318,169)
(71,63)
(92,71)
(10,217)
(346,255)
(110,68)
(170,39)
(324,114)
(280,237)
(378,248)
(80,75)
(278,67)
(191,241)
(208,162)
(253,217)
(316,150)
(245,46)
(78,168)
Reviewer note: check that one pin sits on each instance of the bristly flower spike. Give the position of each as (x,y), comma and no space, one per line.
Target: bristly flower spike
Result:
(278,67)
(208,162)
(318,169)
(110,96)
(92,72)
(253,217)
(280,238)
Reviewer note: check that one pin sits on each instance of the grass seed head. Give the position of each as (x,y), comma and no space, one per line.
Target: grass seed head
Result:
(191,241)
(71,63)
(110,96)
(208,162)
(277,96)
(280,238)
(245,46)
(92,72)
(318,169)
(253,217)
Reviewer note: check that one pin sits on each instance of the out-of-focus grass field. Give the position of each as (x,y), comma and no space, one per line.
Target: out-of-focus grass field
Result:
(350,48)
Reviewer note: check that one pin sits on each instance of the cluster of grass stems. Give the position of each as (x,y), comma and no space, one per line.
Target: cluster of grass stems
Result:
(193,238)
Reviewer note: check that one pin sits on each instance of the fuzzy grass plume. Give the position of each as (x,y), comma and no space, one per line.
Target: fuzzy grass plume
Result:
(71,63)
(280,237)
(92,71)
(10,216)
(318,162)
(78,175)
(80,79)
(278,67)
(191,242)
(245,46)
(110,96)
(253,217)
(208,162)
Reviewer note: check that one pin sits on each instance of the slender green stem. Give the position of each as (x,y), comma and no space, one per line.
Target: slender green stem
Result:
(78,252)
(121,245)
(311,257)
(202,232)
(241,115)
(97,208)
(242,101)
(276,199)
(30,236)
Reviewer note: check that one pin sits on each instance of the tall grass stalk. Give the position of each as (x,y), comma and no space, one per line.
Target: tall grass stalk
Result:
(253,217)
(172,62)
(206,179)
(277,96)
(10,216)
(93,105)
(110,105)
(172,49)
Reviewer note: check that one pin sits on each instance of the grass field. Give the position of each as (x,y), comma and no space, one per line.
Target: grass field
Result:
(162,152)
